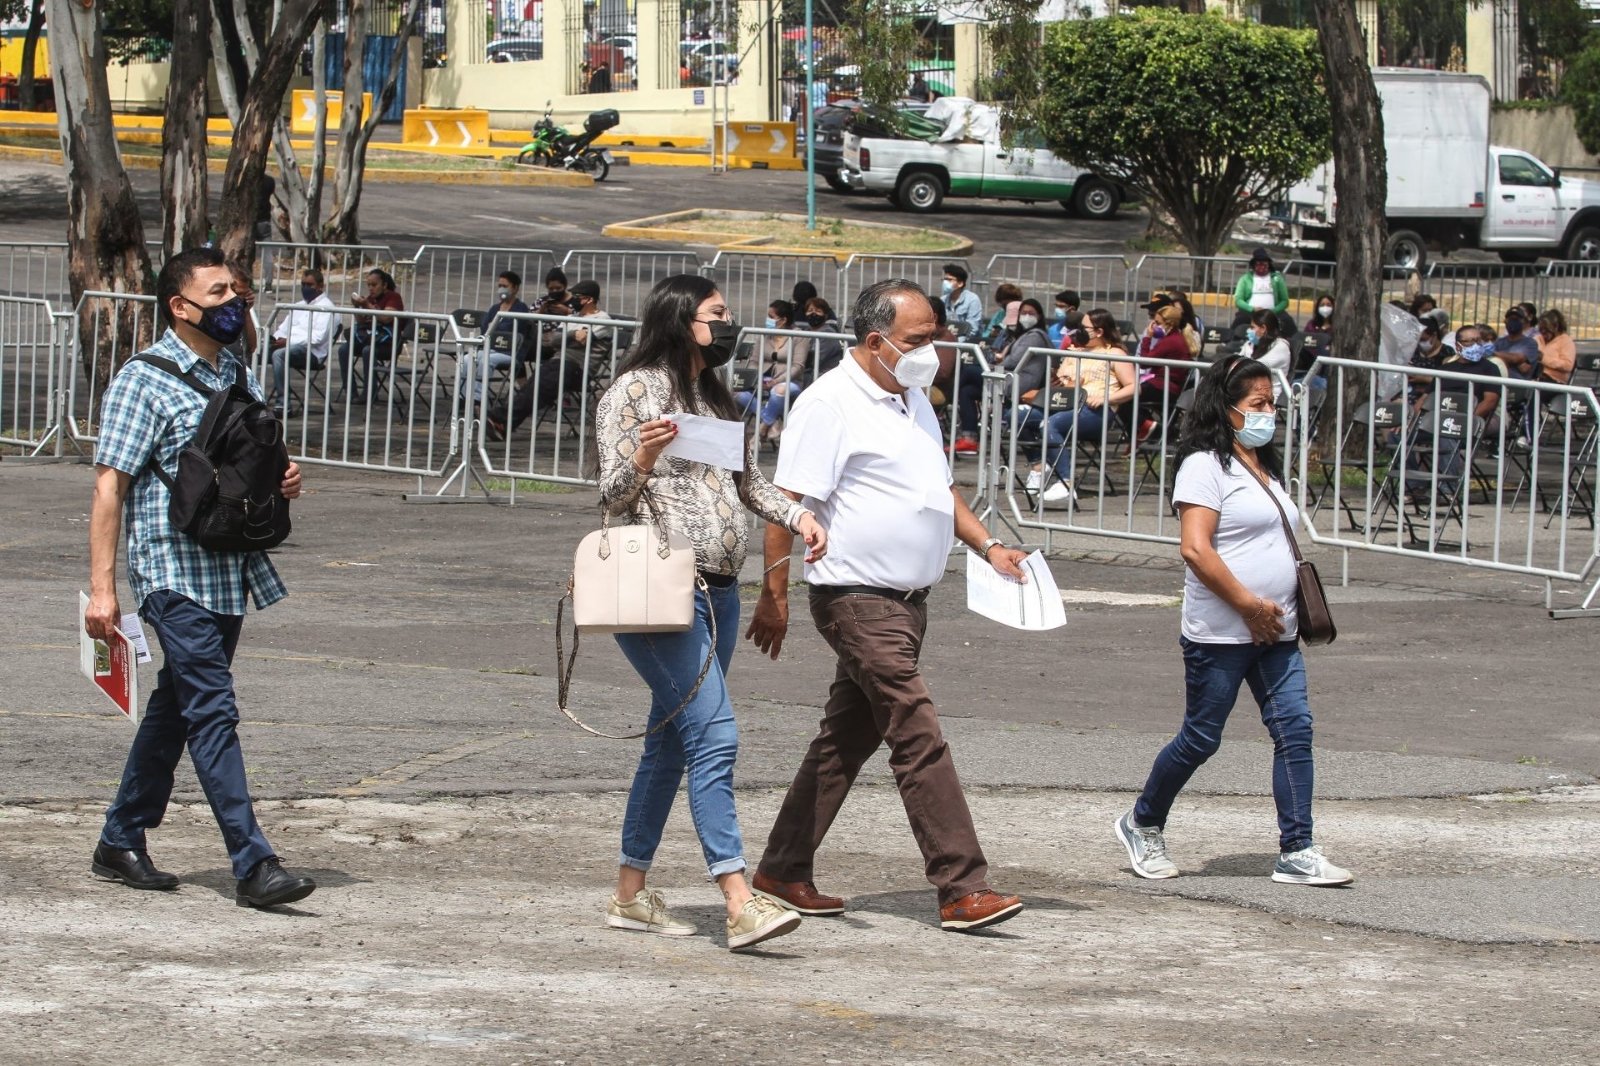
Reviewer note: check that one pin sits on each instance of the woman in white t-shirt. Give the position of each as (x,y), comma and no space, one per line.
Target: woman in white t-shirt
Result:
(1264,343)
(1239,620)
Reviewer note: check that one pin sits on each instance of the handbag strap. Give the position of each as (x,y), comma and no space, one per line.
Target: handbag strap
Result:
(564,666)
(1288,530)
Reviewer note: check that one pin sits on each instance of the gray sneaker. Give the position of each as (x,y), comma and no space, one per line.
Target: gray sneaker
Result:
(1147,849)
(1308,867)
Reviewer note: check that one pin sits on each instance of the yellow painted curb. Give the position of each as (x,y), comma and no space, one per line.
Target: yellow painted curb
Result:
(522,176)
(699,159)
(652,229)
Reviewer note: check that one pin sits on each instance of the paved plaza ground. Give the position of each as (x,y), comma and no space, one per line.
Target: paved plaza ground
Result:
(401,735)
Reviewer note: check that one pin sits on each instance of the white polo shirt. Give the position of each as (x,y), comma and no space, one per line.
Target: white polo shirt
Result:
(871,466)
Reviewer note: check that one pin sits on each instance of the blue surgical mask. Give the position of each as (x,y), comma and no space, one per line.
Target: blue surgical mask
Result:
(1514,325)
(309,292)
(1252,334)
(947,287)
(1061,314)
(772,323)
(1473,353)
(1258,428)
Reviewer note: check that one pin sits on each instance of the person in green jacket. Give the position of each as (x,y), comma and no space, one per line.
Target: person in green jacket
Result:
(1262,289)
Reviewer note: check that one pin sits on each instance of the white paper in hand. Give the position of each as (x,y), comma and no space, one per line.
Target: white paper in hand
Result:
(712,441)
(1035,604)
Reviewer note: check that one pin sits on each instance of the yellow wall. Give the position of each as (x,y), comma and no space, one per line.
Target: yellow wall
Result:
(11,56)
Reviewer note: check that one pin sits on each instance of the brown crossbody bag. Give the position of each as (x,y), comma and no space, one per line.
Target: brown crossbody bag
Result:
(1311,602)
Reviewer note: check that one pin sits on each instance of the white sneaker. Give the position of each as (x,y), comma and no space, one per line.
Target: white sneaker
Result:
(645,913)
(1035,480)
(760,919)
(1147,849)
(1308,867)
(1060,493)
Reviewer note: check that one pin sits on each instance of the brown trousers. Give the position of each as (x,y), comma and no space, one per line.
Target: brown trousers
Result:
(878,695)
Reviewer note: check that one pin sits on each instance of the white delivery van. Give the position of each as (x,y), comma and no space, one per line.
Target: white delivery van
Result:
(1450,188)
(968,158)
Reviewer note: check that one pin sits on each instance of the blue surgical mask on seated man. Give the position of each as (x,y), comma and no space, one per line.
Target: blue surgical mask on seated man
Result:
(947,286)
(1473,353)
(1258,428)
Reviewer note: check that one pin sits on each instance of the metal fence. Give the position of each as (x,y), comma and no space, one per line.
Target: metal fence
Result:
(751,281)
(626,277)
(860,271)
(31,364)
(106,330)
(35,271)
(344,267)
(443,278)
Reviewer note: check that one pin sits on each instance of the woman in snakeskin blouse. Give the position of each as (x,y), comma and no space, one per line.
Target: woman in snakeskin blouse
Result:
(685,335)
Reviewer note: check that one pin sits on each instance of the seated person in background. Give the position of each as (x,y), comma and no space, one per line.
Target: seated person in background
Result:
(944,380)
(1005,294)
(1431,354)
(568,351)
(1321,320)
(1518,349)
(244,287)
(1260,289)
(826,352)
(782,362)
(1421,304)
(1026,333)
(965,310)
(1098,385)
(802,293)
(1263,344)
(1065,316)
(1159,387)
(1558,354)
(508,297)
(373,337)
(556,300)
(1473,356)
(303,337)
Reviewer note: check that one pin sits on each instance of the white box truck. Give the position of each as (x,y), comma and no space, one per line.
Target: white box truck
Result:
(1449,188)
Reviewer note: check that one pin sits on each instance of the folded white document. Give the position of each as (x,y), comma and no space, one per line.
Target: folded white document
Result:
(1034,604)
(712,441)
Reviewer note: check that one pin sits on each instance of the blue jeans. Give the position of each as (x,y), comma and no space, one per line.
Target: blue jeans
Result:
(1276,674)
(296,356)
(1059,432)
(702,739)
(193,703)
(969,392)
(773,406)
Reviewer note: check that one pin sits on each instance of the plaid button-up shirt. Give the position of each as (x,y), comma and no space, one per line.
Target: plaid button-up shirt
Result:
(147,412)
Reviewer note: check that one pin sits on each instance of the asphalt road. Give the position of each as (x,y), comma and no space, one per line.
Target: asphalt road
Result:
(34,207)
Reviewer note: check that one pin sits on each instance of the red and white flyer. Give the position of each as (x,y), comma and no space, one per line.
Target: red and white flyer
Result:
(112,665)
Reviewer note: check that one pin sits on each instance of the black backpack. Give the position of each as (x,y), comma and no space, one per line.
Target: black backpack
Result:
(227,493)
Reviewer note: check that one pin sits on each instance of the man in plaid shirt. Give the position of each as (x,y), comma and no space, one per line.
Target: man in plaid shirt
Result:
(192,598)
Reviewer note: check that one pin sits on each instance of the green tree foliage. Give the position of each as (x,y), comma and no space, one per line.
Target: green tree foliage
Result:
(1581,90)
(884,37)
(1207,117)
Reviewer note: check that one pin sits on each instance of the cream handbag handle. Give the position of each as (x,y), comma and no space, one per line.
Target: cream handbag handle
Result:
(564,671)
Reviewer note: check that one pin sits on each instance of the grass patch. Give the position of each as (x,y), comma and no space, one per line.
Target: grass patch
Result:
(831,234)
(506,484)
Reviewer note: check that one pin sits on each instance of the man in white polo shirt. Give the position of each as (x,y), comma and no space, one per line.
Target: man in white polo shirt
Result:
(862,450)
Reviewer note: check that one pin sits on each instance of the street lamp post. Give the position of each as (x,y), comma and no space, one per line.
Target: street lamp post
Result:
(811,124)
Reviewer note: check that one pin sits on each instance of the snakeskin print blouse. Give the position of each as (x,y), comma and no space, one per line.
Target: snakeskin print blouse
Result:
(704,503)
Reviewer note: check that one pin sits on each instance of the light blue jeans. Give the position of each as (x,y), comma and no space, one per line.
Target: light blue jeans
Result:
(702,739)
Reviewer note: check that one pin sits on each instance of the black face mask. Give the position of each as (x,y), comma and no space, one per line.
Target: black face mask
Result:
(817,319)
(724,336)
(223,323)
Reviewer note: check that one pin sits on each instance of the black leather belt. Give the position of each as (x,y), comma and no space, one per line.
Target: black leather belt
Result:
(915,597)
(719,581)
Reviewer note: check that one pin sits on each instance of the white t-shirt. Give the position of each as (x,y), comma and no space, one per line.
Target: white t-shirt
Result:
(1261,295)
(1276,357)
(1250,541)
(872,468)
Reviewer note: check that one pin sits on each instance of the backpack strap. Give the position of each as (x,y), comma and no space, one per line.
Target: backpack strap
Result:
(194,382)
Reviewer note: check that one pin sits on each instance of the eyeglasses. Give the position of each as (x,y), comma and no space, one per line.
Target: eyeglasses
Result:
(718,314)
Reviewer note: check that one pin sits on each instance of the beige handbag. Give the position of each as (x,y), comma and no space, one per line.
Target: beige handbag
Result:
(630,579)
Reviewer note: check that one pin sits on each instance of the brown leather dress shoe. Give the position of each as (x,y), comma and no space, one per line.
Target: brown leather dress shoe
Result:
(978,909)
(801,897)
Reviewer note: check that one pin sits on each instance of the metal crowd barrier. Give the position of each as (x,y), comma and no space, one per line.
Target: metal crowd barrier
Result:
(446,277)
(750,281)
(860,271)
(107,329)
(1100,280)
(32,396)
(751,373)
(538,382)
(384,398)
(1445,471)
(35,271)
(626,277)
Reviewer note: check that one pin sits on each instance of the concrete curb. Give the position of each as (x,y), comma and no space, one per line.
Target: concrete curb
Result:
(652,228)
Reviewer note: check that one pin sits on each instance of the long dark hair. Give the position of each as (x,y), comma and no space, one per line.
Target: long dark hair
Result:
(1270,327)
(1106,323)
(1206,427)
(666,339)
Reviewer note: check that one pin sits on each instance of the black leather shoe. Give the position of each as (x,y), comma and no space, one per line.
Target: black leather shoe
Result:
(270,885)
(132,868)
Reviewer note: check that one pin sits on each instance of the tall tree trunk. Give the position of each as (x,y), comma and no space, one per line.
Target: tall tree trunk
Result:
(184,206)
(259,111)
(27,83)
(105,235)
(1360,186)
(355,132)
(311,222)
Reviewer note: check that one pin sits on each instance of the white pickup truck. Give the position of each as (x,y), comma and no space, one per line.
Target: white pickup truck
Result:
(1450,188)
(970,159)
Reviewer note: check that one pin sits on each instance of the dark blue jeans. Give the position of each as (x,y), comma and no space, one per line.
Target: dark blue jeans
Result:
(193,704)
(1276,674)
(969,394)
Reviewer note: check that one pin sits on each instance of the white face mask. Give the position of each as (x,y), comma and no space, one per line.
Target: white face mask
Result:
(1324,311)
(1027,321)
(916,368)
